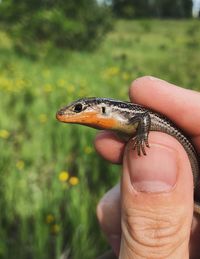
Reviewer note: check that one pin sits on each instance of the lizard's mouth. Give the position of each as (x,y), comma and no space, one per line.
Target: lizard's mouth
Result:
(88,118)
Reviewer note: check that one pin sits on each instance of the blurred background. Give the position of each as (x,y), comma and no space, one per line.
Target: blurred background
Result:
(51,53)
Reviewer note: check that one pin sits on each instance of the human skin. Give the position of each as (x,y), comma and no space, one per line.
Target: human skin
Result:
(150,213)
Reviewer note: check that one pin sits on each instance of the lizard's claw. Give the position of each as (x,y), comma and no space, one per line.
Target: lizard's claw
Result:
(139,142)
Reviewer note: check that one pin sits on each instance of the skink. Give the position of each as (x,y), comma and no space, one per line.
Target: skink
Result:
(131,121)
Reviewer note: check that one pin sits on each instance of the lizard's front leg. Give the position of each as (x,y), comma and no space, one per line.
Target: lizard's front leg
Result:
(140,140)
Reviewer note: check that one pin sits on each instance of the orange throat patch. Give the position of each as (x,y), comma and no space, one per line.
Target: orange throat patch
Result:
(92,119)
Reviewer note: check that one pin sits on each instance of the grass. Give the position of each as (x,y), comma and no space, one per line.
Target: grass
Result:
(51,178)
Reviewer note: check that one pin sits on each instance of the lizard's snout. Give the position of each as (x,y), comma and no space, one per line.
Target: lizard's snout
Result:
(60,113)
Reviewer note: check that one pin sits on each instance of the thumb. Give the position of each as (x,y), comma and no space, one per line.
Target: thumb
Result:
(157,201)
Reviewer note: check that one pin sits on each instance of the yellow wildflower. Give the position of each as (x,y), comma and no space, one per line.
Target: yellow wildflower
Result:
(63,176)
(88,150)
(50,219)
(20,164)
(73,180)
(111,71)
(4,134)
(19,84)
(43,118)
(48,88)
(6,84)
(125,76)
(61,82)
(55,229)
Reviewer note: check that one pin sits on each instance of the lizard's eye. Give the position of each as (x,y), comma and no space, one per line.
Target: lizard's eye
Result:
(78,107)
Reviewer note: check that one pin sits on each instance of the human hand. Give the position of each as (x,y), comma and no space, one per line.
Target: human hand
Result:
(151,215)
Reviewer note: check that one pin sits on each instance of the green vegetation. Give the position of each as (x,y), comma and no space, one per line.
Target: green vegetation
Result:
(50,176)
(152,8)
(78,24)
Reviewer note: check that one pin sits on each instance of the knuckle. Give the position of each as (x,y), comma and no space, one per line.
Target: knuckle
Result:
(152,234)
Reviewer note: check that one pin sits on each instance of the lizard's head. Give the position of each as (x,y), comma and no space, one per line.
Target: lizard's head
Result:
(93,112)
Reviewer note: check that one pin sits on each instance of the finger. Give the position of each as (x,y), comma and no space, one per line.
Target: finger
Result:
(156,201)
(109,146)
(178,104)
(109,216)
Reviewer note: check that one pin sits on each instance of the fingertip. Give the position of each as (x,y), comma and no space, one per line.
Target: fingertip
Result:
(143,87)
(143,80)
(165,170)
(107,206)
(170,100)
(109,217)
(109,146)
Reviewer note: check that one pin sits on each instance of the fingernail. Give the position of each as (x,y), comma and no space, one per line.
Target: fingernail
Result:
(152,78)
(156,172)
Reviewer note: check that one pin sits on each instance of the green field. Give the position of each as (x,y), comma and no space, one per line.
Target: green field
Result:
(50,176)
